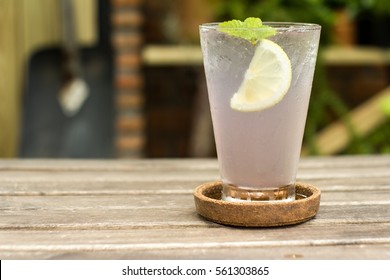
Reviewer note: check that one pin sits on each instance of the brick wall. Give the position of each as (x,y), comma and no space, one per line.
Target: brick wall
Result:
(154,104)
(127,20)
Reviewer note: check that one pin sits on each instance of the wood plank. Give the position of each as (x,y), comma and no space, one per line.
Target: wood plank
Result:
(162,201)
(174,175)
(345,252)
(195,238)
(36,218)
(146,176)
(356,188)
(353,161)
(155,176)
(161,187)
(107,164)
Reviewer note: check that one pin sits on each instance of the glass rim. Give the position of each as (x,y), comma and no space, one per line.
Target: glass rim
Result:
(280,26)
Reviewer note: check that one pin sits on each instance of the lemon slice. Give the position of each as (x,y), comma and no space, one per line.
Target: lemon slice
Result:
(266,81)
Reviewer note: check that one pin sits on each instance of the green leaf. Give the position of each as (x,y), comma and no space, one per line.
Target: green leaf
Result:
(251,29)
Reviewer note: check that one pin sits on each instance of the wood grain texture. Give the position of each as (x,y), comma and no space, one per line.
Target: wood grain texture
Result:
(144,209)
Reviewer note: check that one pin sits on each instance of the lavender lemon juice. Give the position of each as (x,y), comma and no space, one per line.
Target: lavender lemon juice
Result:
(259,78)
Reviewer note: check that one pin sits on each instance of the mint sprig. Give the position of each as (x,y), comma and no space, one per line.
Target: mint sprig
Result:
(251,29)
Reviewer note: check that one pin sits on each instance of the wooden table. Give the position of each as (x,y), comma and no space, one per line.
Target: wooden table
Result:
(144,209)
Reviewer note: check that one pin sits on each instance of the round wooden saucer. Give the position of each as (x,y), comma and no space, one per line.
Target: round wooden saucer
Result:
(256,214)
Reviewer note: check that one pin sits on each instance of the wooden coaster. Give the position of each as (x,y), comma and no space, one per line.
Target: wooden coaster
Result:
(256,214)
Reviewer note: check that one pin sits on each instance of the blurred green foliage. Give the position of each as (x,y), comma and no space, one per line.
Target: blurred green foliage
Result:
(325,104)
(378,7)
(311,11)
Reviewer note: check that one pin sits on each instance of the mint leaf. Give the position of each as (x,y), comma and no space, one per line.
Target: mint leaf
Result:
(251,29)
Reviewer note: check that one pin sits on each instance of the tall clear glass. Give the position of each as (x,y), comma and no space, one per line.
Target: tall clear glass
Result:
(258,152)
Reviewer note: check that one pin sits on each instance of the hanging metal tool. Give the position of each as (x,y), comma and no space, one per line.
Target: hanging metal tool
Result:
(74,90)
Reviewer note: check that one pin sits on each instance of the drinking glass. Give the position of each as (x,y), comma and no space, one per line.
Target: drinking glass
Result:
(258,152)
